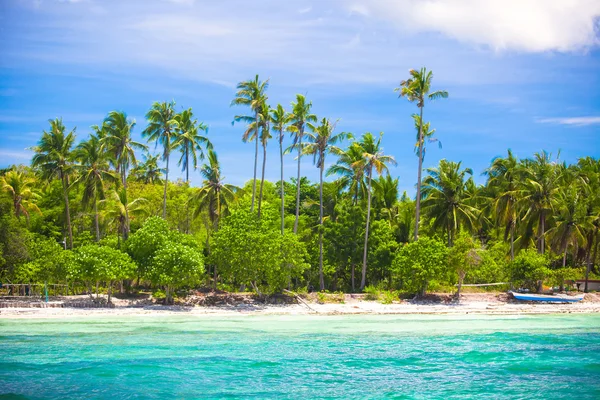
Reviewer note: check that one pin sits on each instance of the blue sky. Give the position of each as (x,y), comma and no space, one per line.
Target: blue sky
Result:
(521,74)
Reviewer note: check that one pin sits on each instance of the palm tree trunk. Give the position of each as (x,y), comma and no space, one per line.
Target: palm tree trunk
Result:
(512,241)
(542,228)
(298,184)
(255,161)
(321,279)
(96,223)
(187,180)
(589,263)
(418,206)
(65,183)
(282,190)
(126,224)
(363,280)
(262,178)
(165,190)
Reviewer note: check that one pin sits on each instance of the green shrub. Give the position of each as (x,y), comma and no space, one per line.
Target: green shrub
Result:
(528,268)
(321,298)
(388,296)
(418,263)
(371,293)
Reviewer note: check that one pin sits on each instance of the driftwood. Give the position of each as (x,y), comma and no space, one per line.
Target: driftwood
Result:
(300,300)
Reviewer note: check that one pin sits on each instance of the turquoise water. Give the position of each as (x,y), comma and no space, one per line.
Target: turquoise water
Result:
(264,357)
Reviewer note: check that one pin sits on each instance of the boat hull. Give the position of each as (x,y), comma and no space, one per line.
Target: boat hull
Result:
(547,299)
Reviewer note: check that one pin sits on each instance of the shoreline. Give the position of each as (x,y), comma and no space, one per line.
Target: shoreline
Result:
(471,304)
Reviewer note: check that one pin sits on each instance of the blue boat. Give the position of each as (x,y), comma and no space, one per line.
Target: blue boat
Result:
(559,298)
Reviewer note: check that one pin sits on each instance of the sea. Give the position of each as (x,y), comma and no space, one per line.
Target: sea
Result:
(301,357)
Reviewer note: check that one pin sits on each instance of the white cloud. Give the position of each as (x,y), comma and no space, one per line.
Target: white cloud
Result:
(523,25)
(346,44)
(574,121)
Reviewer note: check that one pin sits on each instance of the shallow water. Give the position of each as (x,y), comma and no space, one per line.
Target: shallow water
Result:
(362,357)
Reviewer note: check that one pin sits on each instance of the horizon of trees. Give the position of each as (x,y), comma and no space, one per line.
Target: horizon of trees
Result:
(534,219)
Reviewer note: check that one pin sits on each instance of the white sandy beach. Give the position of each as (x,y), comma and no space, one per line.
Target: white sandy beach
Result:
(470,304)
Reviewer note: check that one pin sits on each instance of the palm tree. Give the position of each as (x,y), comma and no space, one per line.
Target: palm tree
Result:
(118,143)
(570,219)
(416,89)
(589,170)
(540,187)
(348,168)
(148,171)
(93,172)
(264,119)
(53,158)
(446,198)
(21,189)
(503,179)
(427,135)
(322,141)
(373,158)
(214,196)
(252,94)
(279,120)
(385,191)
(120,210)
(301,116)
(190,140)
(161,129)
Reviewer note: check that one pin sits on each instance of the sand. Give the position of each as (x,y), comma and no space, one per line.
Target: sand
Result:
(475,303)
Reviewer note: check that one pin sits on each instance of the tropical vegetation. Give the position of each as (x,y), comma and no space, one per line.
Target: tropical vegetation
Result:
(99,212)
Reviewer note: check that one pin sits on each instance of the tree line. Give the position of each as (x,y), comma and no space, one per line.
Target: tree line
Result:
(120,220)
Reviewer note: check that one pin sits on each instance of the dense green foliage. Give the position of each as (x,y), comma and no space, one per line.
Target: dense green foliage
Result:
(95,213)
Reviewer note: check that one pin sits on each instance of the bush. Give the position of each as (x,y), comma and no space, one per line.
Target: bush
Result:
(528,268)
(175,265)
(388,296)
(372,293)
(95,263)
(418,263)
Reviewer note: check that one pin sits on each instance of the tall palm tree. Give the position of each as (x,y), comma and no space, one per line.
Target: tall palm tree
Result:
(350,172)
(265,134)
(54,159)
(119,210)
(504,180)
(417,89)
(190,141)
(372,159)
(301,116)
(322,141)
(118,143)
(148,171)
(280,120)
(252,94)
(214,196)
(94,171)
(21,189)
(161,130)
(426,132)
(446,198)
(540,186)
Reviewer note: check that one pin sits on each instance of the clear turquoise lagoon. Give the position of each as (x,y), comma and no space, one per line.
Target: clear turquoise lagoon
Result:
(301,357)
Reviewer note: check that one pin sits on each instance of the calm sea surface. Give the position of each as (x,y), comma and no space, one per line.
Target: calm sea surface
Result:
(301,357)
